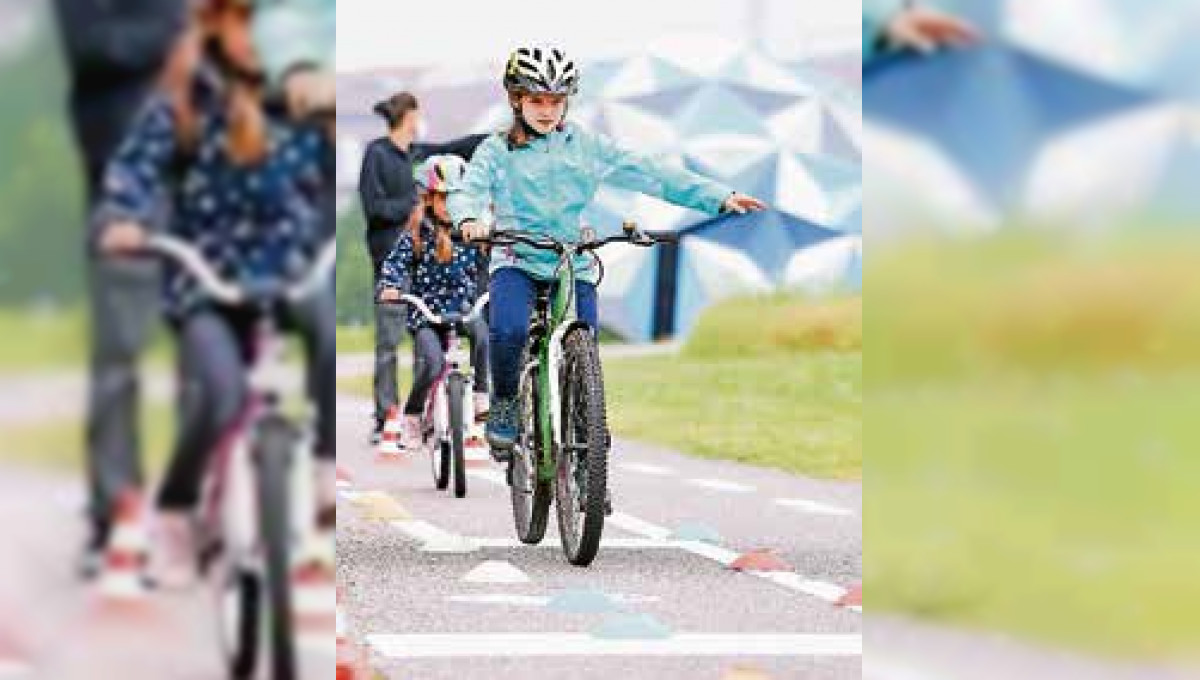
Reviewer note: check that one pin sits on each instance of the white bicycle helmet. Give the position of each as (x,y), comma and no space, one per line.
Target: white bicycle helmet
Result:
(541,70)
(442,174)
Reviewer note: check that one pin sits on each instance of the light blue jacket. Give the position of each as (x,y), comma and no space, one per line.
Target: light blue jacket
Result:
(875,15)
(546,185)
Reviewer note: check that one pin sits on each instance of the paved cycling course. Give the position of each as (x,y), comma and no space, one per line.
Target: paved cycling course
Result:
(54,626)
(436,587)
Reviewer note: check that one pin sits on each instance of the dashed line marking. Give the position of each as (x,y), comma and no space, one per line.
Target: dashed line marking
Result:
(720,485)
(538,600)
(457,645)
(813,507)
(647,469)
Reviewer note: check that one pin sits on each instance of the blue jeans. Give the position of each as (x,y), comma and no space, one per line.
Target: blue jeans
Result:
(513,293)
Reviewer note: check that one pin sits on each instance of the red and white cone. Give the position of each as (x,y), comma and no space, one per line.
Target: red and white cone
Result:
(390,447)
(477,453)
(123,577)
(312,584)
(351,659)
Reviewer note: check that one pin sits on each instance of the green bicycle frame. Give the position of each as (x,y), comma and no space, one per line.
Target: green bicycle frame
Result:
(563,314)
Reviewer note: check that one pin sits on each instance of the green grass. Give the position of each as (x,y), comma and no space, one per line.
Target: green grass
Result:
(61,445)
(32,342)
(1034,405)
(355,339)
(361,339)
(1064,510)
(787,396)
(796,412)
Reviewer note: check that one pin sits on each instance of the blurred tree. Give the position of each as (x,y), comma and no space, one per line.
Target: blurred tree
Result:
(353,270)
(41,200)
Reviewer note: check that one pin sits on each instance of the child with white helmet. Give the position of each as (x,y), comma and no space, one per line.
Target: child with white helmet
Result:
(541,175)
(445,275)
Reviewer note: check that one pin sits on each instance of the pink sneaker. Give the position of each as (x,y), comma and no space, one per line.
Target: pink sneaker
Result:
(410,437)
(173,555)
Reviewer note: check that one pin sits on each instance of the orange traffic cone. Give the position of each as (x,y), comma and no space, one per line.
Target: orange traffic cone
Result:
(351,659)
(123,575)
(760,561)
(390,449)
(312,584)
(852,598)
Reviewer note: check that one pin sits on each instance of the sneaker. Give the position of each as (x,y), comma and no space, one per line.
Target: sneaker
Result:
(173,556)
(91,562)
(326,487)
(482,406)
(502,429)
(377,433)
(410,435)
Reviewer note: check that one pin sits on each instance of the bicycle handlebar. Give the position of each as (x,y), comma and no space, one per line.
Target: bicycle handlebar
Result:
(191,259)
(630,234)
(437,319)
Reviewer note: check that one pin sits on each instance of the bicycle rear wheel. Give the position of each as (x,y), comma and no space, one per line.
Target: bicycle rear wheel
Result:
(582,466)
(530,496)
(273,446)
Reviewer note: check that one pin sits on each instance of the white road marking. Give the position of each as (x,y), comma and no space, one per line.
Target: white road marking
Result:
(489,475)
(821,590)
(647,469)
(496,572)
(636,526)
(828,592)
(434,539)
(813,507)
(457,645)
(538,600)
(621,543)
(720,485)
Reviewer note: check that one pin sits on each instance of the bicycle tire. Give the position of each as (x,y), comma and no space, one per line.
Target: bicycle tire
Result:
(582,467)
(455,392)
(273,447)
(530,496)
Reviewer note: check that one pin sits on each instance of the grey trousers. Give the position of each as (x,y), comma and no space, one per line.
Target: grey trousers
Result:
(214,347)
(389,331)
(125,306)
(429,357)
(389,328)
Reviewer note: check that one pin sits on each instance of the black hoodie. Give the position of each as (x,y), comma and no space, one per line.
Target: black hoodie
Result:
(115,50)
(387,190)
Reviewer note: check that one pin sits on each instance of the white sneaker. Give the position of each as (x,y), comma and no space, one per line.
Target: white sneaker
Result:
(482,406)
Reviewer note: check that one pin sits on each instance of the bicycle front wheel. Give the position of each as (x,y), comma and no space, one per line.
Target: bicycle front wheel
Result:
(456,393)
(439,449)
(274,444)
(582,466)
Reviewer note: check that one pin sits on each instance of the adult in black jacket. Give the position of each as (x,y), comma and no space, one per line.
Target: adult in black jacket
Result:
(388,195)
(115,51)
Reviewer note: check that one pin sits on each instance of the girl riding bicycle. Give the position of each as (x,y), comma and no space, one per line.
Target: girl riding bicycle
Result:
(243,182)
(541,175)
(443,274)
